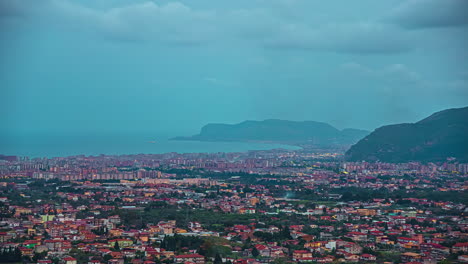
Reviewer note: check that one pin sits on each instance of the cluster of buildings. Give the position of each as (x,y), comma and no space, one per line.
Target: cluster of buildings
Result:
(278,162)
(256,207)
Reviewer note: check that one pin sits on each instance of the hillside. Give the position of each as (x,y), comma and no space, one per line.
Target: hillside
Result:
(442,135)
(280,131)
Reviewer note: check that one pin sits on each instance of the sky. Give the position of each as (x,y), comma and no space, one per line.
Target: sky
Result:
(89,66)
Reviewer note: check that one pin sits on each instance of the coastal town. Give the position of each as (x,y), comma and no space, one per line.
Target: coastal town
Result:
(233,132)
(272,206)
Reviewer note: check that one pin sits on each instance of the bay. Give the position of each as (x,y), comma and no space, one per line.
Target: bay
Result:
(61,145)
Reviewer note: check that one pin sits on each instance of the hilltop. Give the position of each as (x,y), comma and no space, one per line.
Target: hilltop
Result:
(279,131)
(440,136)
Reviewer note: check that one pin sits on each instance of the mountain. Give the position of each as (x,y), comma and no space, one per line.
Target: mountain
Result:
(280,131)
(435,138)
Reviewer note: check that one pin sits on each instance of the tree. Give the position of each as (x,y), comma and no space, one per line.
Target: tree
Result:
(116,246)
(39,256)
(140,254)
(255,252)
(285,233)
(280,261)
(10,255)
(367,250)
(445,261)
(218,259)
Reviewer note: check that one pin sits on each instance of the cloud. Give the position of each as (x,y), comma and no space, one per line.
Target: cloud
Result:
(463,75)
(414,14)
(11,8)
(397,92)
(404,83)
(356,38)
(20,8)
(393,73)
(173,22)
(176,22)
(219,82)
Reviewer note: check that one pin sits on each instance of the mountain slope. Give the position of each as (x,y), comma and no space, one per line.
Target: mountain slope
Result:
(274,130)
(443,134)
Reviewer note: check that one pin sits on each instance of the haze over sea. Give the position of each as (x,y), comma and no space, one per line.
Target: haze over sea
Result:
(61,145)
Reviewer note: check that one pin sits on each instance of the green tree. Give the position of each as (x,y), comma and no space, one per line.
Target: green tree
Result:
(255,252)
(218,259)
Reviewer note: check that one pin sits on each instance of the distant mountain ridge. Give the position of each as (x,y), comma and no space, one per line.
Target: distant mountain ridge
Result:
(442,135)
(279,131)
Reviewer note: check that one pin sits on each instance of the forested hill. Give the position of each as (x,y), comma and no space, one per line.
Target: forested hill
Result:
(279,131)
(440,136)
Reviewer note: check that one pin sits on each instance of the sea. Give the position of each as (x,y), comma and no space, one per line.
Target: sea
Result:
(62,145)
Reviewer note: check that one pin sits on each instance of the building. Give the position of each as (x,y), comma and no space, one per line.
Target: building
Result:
(195,258)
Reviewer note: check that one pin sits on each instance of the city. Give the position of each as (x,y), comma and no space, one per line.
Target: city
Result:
(272,206)
(233,132)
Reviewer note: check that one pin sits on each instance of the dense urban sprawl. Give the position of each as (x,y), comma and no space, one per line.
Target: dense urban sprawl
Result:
(272,206)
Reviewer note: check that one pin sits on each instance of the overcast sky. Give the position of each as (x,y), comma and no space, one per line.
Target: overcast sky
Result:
(173,66)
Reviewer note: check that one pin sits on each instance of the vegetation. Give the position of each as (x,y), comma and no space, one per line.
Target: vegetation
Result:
(435,138)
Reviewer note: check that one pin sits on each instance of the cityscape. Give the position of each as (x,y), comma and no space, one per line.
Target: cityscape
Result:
(233,132)
(272,206)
